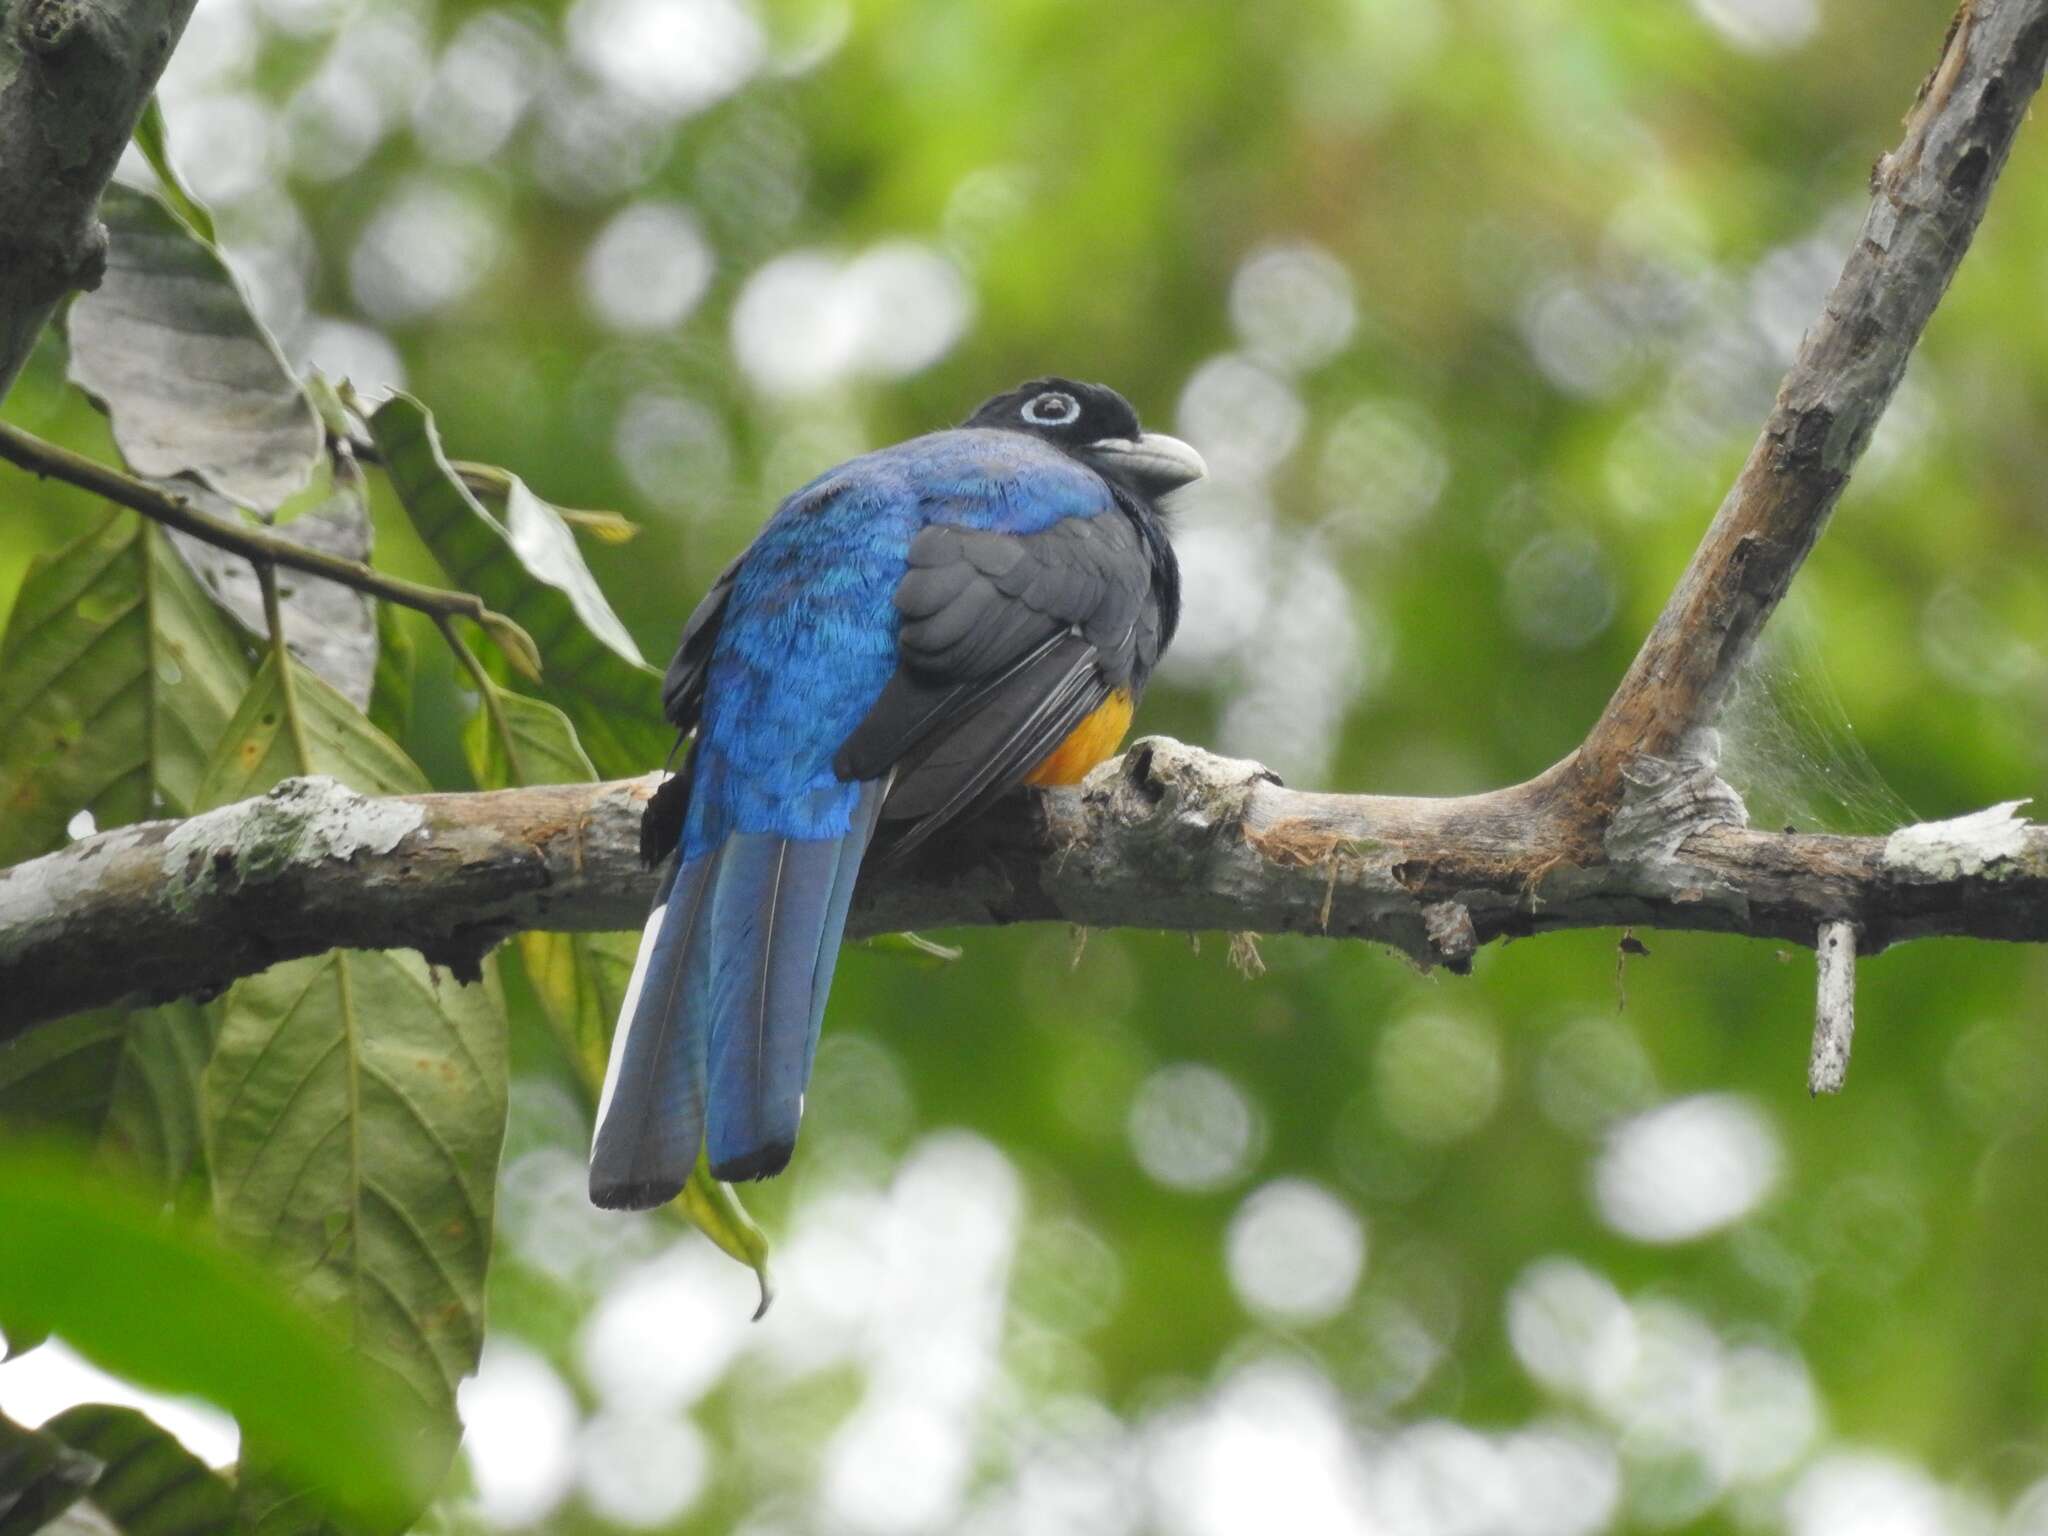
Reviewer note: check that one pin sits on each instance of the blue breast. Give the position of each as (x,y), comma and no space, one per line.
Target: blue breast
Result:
(809,636)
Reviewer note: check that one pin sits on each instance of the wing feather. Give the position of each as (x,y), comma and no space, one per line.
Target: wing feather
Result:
(1007,643)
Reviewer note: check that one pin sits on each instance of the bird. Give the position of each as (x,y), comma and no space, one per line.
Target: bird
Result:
(912,635)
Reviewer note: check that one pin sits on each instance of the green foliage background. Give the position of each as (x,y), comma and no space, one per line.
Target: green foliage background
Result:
(1578,239)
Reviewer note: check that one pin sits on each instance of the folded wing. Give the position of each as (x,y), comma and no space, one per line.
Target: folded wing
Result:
(1008,642)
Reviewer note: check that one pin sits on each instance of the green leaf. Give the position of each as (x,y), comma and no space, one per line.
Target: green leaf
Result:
(261,746)
(530,570)
(715,1210)
(123,1079)
(391,690)
(149,1484)
(355,1102)
(40,1478)
(117,676)
(537,745)
(355,1105)
(192,380)
(337,416)
(580,980)
(153,139)
(164,1305)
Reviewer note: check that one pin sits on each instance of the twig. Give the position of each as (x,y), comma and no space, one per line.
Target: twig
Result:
(494,708)
(259,545)
(287,685)
(1834,1011)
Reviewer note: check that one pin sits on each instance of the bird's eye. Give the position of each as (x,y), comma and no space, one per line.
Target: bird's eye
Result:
(1054,408)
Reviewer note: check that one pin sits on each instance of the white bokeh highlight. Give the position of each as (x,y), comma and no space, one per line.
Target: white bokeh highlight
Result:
(519,1434)
(810,319)
(1193,1128)
(1293,305)
(670,57)
(1295,1252)
(1686,1168)
(648,268)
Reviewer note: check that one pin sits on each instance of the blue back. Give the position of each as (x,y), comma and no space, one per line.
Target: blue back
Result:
(809,636)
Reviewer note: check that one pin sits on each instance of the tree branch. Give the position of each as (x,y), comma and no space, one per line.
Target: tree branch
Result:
(1929,195)
(1633,829)
(1166,837)
(74,78)
(258,545)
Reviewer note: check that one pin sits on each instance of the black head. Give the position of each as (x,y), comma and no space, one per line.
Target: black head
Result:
(1097,426)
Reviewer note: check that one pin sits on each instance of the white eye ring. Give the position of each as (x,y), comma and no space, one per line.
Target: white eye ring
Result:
(1054,408)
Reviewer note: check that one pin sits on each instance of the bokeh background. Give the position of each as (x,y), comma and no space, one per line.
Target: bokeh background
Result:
(1474,307)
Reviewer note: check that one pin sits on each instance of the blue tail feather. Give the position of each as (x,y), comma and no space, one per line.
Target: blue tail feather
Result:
(721,1025)
(865,817)
(650,1118)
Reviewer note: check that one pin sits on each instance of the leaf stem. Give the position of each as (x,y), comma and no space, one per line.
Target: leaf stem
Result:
(489,689)
(287,685)
(260,546)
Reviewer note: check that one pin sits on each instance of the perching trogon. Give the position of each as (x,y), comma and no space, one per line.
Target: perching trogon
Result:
(910,636)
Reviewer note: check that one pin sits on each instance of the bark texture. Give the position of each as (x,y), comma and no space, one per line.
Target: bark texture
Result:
(74,78)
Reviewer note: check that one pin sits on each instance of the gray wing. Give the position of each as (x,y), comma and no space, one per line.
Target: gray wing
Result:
(1007,643)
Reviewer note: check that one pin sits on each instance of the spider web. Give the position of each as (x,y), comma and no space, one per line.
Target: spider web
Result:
(1789,747)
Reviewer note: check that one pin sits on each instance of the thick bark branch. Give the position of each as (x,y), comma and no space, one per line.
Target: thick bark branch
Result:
(74,78)
(1167,837)
(1929,195)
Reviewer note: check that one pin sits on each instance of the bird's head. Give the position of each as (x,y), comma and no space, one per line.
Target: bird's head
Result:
(1097,426)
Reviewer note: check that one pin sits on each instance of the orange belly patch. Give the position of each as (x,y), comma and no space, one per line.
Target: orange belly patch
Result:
(1089,743)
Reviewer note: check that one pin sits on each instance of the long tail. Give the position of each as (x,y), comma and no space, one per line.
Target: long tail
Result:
(720,1022)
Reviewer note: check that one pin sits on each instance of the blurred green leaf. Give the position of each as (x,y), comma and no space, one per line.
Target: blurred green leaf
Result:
(148,1484)
(605,527)
(153,139)
(124,1079)
(20,1340)
(530,570)
(193,382)
(391,690)
(332,403)
(117,676)
(40,1478)
(165,1306)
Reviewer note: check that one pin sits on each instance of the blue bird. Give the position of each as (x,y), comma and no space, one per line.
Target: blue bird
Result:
(910,636)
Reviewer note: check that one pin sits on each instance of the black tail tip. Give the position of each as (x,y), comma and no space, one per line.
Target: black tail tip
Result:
(761,1163)
(634,1194)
